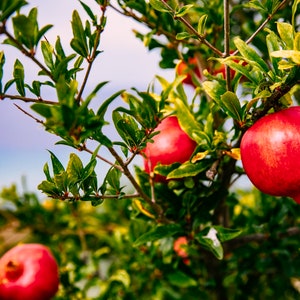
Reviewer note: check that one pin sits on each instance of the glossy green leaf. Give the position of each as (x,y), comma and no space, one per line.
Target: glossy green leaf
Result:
(56,164)
(286,33)
(214,89)
(19,76)
(188,169)
(294,55)
(231,105)
(209,239)
(79,42)
(89,12)
(272,42)
(183,35)
(226,234)
(74,168)
(251,56)
(202,24)
(158,232)
(182,11)
(158,5)
(189,124)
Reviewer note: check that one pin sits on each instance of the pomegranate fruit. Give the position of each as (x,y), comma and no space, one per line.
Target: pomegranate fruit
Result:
(270,153)
(170,145)
(28,272)
(190,69)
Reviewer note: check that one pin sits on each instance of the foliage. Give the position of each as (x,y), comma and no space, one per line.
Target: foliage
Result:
(110,239)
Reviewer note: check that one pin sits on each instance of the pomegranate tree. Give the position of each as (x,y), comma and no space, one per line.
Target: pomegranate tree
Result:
(28,272)
(270,152)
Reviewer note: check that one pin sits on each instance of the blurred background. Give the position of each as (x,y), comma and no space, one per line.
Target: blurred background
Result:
(125,62)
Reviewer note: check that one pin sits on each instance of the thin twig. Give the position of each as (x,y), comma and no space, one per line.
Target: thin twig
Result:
(28,114)
(27,99)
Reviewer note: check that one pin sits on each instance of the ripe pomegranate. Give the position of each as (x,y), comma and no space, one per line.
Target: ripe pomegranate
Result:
(270,153)
(189,68)
(28,272)
(171,145)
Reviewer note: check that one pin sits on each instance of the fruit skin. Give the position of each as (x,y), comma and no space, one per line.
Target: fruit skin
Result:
(170,145)
(270,153)
(28,272)
(188,68)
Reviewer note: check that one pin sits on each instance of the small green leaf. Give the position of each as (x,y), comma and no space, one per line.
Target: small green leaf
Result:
(188,169)
(226,234)
(231,105)
(183,10)
(183,35)
(157,233)
(18,74)
(158,5)
(214,89)
(74,168)
(208,238)
(181,280)
(56,164)
(201,24)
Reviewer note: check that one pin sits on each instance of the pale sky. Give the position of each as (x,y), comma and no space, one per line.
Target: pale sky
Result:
(125,62)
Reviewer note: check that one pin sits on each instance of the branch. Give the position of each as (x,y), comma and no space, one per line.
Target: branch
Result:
(261,237)
(27,99)
(28,114)
(91,59)
(156,208)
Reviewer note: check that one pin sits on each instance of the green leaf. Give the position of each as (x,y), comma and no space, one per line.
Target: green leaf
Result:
(208,238)
(42,109)
(226,234)
(49,188)
(56,164)
(89,12)
(79,42)
(201,24)
(231,105)
(47,51)
(18,74)
(181,280)
(182,11)
(294,55)
(286,33)
(2,62)
(183,35)
(188,169)
(272,42)
(9,7)
(251,55)
(158,5)
(157,233)
(214,89)
(74,168)
(189,124)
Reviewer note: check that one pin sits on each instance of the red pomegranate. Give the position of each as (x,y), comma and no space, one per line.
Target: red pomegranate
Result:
(28,272)
(171,145)
(270,153)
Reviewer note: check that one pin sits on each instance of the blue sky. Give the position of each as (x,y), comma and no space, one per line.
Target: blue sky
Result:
(125,62)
